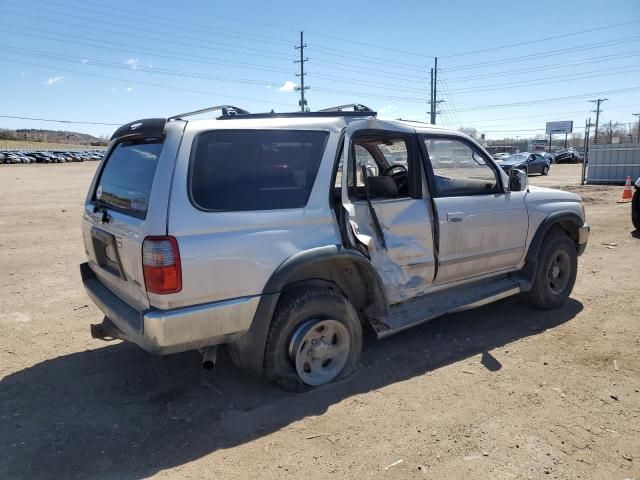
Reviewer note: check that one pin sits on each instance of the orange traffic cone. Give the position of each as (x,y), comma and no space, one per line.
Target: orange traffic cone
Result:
(627,194)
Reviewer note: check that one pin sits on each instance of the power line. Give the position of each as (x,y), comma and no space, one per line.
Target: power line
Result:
(79,122)
(145,17)
(529,42)
(149,84)
(338,53)
(135,50)
(139,68)
(549,100)
(544,54)
(543,81)
(538,68)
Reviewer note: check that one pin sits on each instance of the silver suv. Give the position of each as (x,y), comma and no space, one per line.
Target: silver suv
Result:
(283,236)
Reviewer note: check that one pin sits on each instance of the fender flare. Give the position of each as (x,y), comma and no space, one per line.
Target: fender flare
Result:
(317,266)
(561,218)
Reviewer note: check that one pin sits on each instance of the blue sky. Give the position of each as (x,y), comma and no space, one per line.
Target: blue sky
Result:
(116,61)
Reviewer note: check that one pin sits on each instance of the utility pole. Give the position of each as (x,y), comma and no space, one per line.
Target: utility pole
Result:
(597,101)
(434,93)
(587,130)
(638,134)
(432,106)
(303,59)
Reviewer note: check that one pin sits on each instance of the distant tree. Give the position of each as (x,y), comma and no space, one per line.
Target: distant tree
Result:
(472,132)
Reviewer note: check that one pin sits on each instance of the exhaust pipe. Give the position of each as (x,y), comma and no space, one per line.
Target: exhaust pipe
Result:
(209,356)
(107,331)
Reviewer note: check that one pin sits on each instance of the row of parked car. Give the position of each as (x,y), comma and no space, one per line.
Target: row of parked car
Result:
(566,155)
(50,156)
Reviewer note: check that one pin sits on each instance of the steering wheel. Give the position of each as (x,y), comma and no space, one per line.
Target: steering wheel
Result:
(392,167)
(399,177)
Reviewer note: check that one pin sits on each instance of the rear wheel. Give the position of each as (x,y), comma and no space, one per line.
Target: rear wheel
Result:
(315,338)
(556,271)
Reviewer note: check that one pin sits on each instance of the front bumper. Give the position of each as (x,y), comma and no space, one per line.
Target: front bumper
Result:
(171,331)
(583,237)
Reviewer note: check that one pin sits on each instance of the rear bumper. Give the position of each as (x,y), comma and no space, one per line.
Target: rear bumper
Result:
(583,237)
(177,330)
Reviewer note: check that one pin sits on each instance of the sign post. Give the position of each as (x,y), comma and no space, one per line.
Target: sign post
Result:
(565,127)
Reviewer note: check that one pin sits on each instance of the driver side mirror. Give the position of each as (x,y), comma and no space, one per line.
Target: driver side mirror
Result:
(518,180)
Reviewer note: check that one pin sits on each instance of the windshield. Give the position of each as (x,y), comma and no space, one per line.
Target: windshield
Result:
(125,183)
(517,158)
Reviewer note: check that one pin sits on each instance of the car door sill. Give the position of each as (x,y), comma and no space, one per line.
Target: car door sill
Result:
(427,307)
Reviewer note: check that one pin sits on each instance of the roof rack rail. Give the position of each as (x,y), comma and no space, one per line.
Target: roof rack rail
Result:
(413,121)
(227,111)
(355,106)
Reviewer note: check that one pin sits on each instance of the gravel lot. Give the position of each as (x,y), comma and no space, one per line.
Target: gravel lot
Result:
(500,392)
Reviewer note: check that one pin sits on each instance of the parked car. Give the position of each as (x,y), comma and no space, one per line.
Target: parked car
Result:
(568,155)
(499,157)
(549,156)
(635,205)
(242,230)
(530,162)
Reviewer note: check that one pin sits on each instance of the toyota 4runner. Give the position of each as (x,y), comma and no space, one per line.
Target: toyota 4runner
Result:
(283,236)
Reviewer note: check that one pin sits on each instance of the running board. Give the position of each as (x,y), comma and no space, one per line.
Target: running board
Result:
(427,307)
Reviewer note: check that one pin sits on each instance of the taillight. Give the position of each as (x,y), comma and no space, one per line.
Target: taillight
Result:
(161,265)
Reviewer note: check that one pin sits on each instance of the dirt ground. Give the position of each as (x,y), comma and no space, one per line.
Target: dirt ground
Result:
(501,392)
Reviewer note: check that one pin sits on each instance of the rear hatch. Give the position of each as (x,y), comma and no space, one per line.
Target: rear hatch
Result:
(127,202)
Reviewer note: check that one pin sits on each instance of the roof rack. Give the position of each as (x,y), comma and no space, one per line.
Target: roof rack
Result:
(355,106)
(227,111)
(413,121)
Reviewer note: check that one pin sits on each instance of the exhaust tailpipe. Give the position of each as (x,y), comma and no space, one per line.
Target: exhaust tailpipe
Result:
(209,356)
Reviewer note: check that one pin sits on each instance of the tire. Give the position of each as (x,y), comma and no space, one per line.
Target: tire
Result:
(548,290)
(299,316)
(635,209)
(545,170)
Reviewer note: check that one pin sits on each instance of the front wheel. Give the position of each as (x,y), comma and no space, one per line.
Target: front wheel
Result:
(545,170)
(315,338)
(556,271)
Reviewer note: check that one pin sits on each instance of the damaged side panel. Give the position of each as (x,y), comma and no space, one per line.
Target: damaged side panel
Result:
(406,266)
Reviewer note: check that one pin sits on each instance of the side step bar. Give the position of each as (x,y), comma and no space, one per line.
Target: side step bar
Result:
(427,307)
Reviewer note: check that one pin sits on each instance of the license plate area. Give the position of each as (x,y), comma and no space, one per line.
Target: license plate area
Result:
(106,251)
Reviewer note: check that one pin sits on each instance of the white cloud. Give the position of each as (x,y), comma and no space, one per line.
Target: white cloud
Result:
(133,63)
(85,61)
(53,80)
(129,89)
(287,86)
(23,74)
(387,109)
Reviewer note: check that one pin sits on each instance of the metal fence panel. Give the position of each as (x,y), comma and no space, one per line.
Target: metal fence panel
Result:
(612,164)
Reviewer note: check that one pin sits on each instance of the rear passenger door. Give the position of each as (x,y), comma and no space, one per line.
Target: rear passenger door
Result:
(386,214)
(482,228)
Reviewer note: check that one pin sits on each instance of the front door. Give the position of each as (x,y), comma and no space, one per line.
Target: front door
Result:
(482,228)
(387,215)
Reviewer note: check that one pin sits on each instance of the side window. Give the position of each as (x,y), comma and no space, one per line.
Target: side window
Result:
(385,158)
(459,169)
(239,170)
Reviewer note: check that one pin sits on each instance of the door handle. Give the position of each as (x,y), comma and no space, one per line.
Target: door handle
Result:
(454,217)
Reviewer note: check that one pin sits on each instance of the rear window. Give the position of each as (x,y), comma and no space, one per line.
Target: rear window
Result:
(235,170)
(125,183)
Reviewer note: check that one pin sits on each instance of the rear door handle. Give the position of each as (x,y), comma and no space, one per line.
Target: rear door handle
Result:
(454,217)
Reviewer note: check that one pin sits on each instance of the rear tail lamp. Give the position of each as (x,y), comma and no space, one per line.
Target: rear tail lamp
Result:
(161,265)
